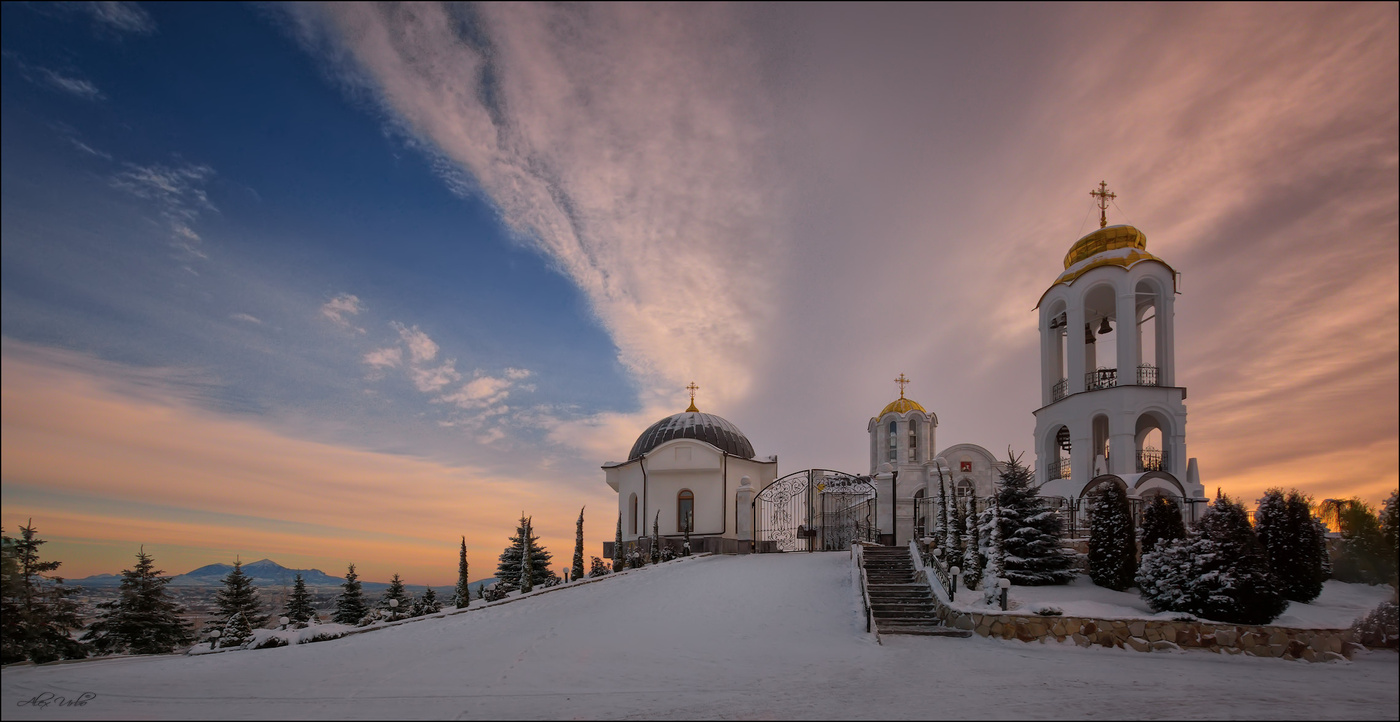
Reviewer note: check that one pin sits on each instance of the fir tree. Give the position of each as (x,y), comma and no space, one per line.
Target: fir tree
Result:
(395,593)
(481,592)
(972,548)
(350,606)
(577,571)
(1219,572)
(1323,553)
(955,527)
(1390,518)
(239,596)
(527,564)
(656,539)
(993,552)
(945,523)
(508,569)
(238,631)
(618,554)
(142,620)
(1362,555)
(1285,528)
(1112,539)
(427,603)
(462,596)
(39,616)
(685,543)
(300,608)
(1161,521)
(1030,531)
(598,568)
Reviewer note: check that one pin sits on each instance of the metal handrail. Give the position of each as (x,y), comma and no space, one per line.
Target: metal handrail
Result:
(858,554)
(1103,378)
(1059,390)
(1151,460)
(1057,469)
(1148,375)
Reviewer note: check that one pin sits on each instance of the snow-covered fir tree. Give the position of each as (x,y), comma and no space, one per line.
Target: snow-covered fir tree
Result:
(945,524)
(508,568)
(993,552)
(143,620)
(1362,555)
(237,631)
(685,542)
(598,568)
(527,563)
(577,571)
(1030,531)
(1161,521)
(619,554)
(1285,527)
(350,605)
(1390,535)
(426,603)
(300,608)
(39,616)
(1112,538)
(239,596)
(956,548)
(656,539)
(1219,572)
(462,595)
(972,551)
(395,593)
(1323,552)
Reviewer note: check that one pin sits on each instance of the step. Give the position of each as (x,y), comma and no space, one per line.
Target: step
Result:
(929,631)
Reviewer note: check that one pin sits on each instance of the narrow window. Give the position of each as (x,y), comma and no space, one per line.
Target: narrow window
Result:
(894,439)
(632,525)
(685,511)
(913,441)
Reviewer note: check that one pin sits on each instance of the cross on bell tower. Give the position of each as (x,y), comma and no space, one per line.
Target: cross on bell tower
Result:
(693,388)
(1104,196)
(902,381)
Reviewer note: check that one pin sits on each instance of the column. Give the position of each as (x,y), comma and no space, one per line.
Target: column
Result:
(1074,345)
(1127,337)
(743,525)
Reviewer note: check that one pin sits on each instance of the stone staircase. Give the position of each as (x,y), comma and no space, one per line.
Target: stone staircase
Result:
(899,602)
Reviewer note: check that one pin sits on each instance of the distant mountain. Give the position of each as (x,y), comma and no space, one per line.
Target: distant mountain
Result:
(266,574)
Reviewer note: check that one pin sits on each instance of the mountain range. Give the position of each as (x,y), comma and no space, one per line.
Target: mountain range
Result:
(265,573)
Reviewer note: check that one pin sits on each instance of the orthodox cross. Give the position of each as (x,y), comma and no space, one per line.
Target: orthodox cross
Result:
(901,381)
(1104,196)
(693,388)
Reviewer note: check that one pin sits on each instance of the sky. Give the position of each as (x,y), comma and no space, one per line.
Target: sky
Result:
(345,283)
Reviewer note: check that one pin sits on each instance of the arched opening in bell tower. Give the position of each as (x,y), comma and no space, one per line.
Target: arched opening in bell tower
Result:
(1151,441)
(1149,339)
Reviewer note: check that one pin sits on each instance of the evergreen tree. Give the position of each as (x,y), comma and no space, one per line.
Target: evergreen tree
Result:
(1030,531)
(618,554)
(508,569)
(1362,555)
(527,564)
(577,571)
(598,568)
(972,551)
(300,607)
(1323,552)
(955,527)
(1161,521)
(395,593)
(239,596)
(1112,539)
(1390,536)
(39,616)
(142,620)
(237,632)
(427,603)
(945,524)
(462,596)
(1285,528)
(481,592)
(350,606)
(656,539)
(993,552)
(685,544)
(1219,572)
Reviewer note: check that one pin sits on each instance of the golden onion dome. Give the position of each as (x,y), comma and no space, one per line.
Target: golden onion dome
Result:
(902,405)
(1122,246)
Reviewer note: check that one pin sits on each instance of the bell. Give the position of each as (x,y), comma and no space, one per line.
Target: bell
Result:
(1088,333)
(1104,327)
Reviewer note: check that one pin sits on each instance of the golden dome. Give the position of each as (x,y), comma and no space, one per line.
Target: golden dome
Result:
(901,405)
(1105,239)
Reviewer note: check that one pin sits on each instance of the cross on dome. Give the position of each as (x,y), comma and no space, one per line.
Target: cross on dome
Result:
(902,381)
(693,388)
(1104,196)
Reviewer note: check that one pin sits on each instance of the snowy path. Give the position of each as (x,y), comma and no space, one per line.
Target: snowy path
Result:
(721,637)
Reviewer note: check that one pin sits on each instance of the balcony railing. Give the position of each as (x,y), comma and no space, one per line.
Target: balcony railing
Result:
(1057,469)
(1151,460)
(1100,379)
(1058,391)
(1147,375)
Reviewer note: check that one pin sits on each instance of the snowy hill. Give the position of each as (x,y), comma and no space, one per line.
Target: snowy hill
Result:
(765,636)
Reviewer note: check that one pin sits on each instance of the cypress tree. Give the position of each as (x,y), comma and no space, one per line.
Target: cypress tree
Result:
(300,608)
(350,606)
(1030,531)
(508,568)
(237,632)
(955,527)
(1112,539)
(1323,552)
(618,557)
(239,596)
(972,551)
(142,620)
(945,524)
(462,596)
(1286,530)
(685,545)
(39,616)
(527,565)
(1390,536)
(993,551)
(1161,521)
(395,593)
(577,571)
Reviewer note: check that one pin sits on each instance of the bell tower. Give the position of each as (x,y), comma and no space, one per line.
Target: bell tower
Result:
(1110,404)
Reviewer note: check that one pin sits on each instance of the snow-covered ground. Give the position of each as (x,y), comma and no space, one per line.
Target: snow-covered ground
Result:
(757,636)
(1337,607)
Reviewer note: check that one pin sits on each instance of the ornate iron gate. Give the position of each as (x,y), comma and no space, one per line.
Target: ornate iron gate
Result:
(814,509)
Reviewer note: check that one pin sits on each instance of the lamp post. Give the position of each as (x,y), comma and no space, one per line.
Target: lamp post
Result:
(953,593)
(284,621)
(214,638)
(1005,585)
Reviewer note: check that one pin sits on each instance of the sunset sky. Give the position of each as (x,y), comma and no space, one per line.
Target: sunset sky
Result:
(334,284)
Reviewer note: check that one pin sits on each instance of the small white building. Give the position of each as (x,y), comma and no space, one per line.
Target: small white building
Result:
(690,469)
(1111,408)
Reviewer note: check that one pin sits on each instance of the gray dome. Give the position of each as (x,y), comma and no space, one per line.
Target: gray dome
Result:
(711,429)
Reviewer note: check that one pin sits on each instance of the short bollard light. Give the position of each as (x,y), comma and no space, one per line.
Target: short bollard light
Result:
(214,638)
(283,621)
(1005,585)
(955,571)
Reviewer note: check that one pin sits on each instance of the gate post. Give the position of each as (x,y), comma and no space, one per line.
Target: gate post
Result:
(743,514)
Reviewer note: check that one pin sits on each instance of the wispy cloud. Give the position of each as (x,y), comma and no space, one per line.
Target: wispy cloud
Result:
(177,192)
(246,318)
(125,17)
(75,86)
(341,309)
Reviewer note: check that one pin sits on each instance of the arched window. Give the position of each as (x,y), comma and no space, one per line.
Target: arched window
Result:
(964,488)
(685,511)
(913,441)
(632,524)
(894,440)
